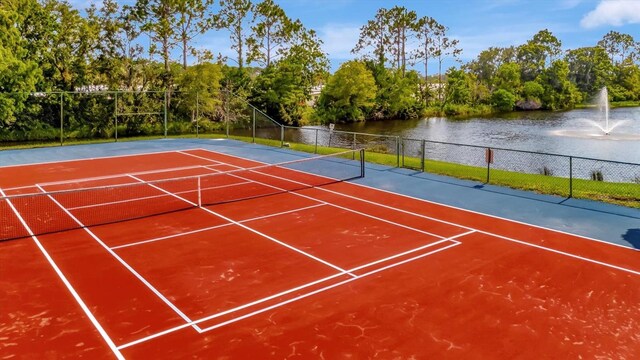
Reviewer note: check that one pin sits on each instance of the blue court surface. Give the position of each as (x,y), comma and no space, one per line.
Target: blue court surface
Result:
(610,223)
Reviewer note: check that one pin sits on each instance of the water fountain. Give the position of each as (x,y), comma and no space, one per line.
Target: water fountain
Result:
(603,127)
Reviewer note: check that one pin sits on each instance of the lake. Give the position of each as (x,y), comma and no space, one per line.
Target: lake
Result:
(567,132)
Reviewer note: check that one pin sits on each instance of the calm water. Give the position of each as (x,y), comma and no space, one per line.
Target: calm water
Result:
(568,133)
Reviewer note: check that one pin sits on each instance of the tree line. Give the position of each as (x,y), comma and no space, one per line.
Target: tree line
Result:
(275,62)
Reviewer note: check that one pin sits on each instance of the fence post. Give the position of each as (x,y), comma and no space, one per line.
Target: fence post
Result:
(397,151)
(281,135)
(361,162)
(226,112)
(353,146)
(61,117)
(316,147)
(198,116)
(488,159)
(422,155)
(570,176)
(165,113)
(116,118)
(253,127)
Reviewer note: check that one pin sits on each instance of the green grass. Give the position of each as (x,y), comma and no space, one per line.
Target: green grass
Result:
(626,194)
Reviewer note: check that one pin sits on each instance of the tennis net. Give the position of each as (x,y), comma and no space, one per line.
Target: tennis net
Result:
(55,211)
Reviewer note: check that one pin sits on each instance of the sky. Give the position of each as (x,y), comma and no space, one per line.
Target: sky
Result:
(477,24)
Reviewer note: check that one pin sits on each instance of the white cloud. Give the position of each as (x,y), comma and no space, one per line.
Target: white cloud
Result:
(613,12)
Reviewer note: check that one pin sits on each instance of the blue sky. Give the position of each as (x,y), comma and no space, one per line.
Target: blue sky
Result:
(477,24)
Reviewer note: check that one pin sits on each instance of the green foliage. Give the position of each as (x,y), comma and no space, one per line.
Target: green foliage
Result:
(532,90)
(348,95)
(590,68)
(458,87)
(503,100)
(559,92)
(508,77)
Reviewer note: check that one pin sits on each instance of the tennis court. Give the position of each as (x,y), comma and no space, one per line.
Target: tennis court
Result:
(199,254)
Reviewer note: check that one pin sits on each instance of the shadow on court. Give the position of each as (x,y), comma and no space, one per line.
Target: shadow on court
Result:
(632,236)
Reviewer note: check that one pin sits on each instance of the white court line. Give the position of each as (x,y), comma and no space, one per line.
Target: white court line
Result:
(99,157)
(325,202)
(250,229)
(415,198)
(210,228)
(207,318)
(329,287)
(66,282)
(153,196)
(124,263)
(480,231)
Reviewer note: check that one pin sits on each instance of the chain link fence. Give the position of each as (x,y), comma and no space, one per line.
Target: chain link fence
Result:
(113,115)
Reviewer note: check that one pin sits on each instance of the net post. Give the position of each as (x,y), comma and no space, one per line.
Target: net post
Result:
(422,155)
(199,192)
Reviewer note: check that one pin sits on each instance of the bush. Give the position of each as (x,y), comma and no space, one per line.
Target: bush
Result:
(503,100)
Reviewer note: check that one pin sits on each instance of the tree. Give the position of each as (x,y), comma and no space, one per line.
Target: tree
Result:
(192,21)
(550,45)
(400,24)
(271,33)
(117,51)
(488,61)
(620,47)
(424,29)
(232,16)
(590,68)
(374,34)
(349,94)
(559,92)
(200,85)
(458,87)
(18,74)
(158,18)
(503,100)
(443,47)
(536,53)
(508,77)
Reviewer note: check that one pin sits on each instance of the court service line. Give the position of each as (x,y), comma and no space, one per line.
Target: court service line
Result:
(210,228)
(322,201)
(66,282)
(209,317)
(248,228)
(152,196)
(418,199)
(117,257)
(478,230)
(467,227)
(329,287)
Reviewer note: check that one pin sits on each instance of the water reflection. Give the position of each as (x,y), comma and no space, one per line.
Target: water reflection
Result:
(551,132)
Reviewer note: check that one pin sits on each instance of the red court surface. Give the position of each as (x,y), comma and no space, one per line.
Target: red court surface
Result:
(338,271)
